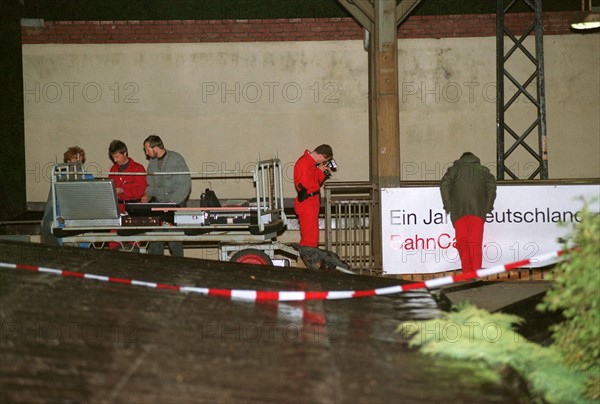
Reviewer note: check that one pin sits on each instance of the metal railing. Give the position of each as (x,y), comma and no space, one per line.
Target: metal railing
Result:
(350,209)
(268,180)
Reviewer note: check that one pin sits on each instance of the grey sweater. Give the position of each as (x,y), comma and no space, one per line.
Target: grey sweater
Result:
(169,188)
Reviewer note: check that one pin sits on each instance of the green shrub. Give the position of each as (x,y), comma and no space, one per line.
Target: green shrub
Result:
(476,335)
(566,371)
(576,291)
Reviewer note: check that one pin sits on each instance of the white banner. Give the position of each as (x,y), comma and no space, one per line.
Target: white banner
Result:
(418,236)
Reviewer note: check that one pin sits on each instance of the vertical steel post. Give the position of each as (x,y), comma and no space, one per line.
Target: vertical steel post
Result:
(500,89)
(541,88)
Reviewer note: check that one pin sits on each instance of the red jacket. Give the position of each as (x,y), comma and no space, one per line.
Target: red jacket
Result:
(134,186)
(307,174)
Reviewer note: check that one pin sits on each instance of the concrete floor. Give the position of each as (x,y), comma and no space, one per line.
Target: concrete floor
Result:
(494,296)
(81,340)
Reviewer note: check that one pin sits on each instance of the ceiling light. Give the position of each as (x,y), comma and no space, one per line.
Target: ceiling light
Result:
(586,19)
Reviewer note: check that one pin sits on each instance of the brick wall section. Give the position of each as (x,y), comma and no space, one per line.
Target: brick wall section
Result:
(300,29)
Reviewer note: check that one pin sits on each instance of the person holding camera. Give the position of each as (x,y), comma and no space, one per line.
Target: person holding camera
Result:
(310,172)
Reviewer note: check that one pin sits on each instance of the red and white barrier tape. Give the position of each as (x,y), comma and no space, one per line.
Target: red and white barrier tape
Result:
(293,295)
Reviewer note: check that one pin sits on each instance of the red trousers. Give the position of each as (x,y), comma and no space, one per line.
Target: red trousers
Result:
(308,217)
(469,242)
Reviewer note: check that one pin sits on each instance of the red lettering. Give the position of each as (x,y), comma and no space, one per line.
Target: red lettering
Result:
(444,241)
(446,244)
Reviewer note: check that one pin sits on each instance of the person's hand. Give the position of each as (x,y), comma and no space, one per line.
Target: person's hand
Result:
(120,191)
(302,194)
(145,199)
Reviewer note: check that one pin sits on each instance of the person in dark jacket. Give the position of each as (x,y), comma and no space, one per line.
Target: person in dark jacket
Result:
(468,193)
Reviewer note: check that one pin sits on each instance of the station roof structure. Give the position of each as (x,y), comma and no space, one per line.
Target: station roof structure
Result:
(245,9)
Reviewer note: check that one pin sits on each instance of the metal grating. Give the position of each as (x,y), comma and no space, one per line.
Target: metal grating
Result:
(349,209)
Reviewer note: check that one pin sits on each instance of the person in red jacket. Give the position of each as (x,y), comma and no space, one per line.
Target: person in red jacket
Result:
(130,188)
(310,172)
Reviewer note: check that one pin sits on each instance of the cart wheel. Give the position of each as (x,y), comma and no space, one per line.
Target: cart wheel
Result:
(251,256)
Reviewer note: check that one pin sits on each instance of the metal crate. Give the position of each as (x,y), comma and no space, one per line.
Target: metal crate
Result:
(351,209)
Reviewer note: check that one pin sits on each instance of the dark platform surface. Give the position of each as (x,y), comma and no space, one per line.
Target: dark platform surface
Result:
(80,340)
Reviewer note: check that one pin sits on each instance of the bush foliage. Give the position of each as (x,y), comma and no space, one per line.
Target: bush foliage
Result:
(566,371)
(476,335)
(576,291)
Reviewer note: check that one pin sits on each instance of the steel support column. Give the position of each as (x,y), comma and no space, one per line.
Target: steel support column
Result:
(504,121)
(384,48)
(381,18)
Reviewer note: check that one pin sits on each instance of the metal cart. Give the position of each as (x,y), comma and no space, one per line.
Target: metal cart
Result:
(85,210)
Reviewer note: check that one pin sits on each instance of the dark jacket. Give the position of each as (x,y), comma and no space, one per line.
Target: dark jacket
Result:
(468,188)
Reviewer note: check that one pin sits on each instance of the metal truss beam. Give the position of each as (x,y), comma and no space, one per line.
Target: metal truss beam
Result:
(505,121)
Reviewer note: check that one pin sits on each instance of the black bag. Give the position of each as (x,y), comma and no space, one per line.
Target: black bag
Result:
(209,199)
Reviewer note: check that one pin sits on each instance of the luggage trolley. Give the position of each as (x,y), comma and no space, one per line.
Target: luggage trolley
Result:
(86,210)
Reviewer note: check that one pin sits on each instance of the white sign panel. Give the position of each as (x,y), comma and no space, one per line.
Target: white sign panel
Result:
(418,236)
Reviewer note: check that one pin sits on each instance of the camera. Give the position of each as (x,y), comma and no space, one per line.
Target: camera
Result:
(330,167)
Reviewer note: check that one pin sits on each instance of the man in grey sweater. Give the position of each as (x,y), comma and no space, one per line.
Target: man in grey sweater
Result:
(168,188)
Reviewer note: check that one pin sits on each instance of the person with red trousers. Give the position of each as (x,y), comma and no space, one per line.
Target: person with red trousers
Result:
(468,192)
(129,188)
(310,172)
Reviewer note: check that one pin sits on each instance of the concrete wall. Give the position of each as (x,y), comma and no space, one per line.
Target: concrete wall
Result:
(223,104)
(447,105)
